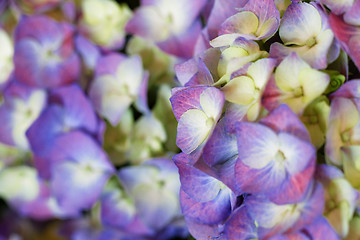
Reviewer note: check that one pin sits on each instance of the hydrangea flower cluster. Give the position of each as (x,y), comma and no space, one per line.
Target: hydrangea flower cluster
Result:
(268,135)
(223,119)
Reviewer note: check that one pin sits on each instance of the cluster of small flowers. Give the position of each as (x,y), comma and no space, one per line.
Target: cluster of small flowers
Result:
(269,121)
(79,141)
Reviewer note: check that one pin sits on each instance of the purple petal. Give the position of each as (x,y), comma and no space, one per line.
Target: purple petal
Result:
(258,147)
(202,77)
(234,114)
(181,158)
(6,126)
(27,60)
(182,45)
(45,206)
(272,96)
(282,119)
(88,51)
(221,146)
(298,153)
(242,24)
(193,129)
(225,172)
(79,113)
(320,228)
(186,70)
(19,111)
(312,206)
(276,219)
(41,136)
(155,206)
(268,19)
(316,56)
(240,225)
(80,172)
(185,99)
(324,173)
(202,43)
(208,99)
(257,144)
(265,10)
(45,52)
(350,89)
(198,185)
(348,37)
(272,219)
(352,15)
(81,149)
(203,231)
(75,186)
(294,188)
(108,64)
(212,212)
(300,166)
(41,28)
(337,7)
(147,22)
(137,227)
(221,10)
(142,103)
(258,180)
(300,22)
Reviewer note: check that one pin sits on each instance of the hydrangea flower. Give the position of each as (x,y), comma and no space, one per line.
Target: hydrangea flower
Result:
(44,53)
(197,110)
(153,188)
(256,20)
(304,27)
(173,25)
(118,79)
(272,219)
(79,170)
(68,110)
(21,108)
(295,83)
(104,22)
(272,151)
(245,91)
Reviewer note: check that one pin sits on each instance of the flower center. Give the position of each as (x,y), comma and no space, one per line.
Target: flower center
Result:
(210,122)
(345,136)
(279,157)
(311,42)
(298,92)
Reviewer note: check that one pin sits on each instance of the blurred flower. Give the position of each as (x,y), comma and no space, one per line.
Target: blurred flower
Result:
(21,108)
(118,79)
(44,55)
(6,57)
(104,22)
(173,25)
